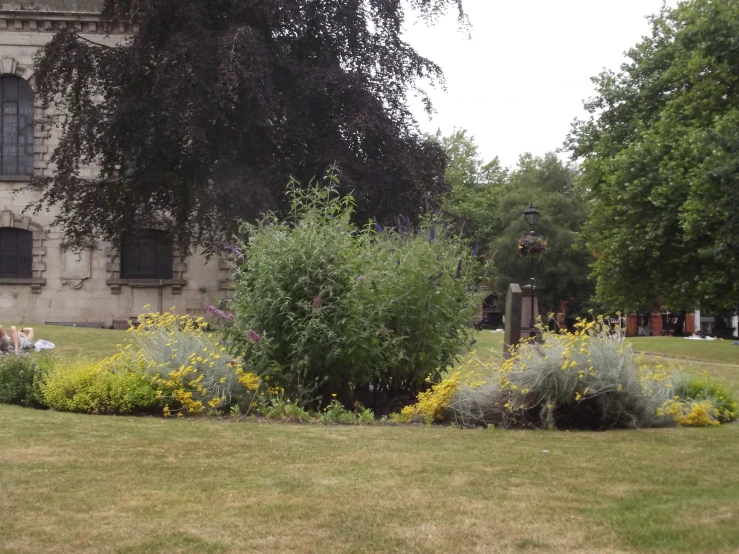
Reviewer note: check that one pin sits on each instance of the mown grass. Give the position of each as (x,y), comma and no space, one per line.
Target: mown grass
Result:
(112,484)
(717,351)
(73,483)
(71,342)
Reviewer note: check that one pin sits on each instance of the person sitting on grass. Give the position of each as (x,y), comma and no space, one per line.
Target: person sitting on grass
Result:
(21,340)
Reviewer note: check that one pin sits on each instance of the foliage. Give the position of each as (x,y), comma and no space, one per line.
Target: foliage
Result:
(701,413)
(475,187)
(323,307)
(365,416)
(586,379)
(209,107)
(98,388)
(432,403)
(192,372)
(272,404)
(19,378)
(660,155)
(696,395)
(465,168)
(490,201)
(336,414)
(561,275)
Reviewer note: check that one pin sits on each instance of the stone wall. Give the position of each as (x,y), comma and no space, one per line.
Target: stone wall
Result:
(83,286)
(59,6)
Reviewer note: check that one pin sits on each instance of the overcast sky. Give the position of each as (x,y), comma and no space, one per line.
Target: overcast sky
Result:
(519,82)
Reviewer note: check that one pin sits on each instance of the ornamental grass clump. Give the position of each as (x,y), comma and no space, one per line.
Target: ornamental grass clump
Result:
(323,307)
(589,379)
(192,373)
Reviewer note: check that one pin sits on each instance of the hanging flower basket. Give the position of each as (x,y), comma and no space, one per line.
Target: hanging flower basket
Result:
(531,245)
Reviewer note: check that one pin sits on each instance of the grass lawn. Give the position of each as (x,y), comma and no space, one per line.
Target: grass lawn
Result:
(79,341)
(718,351)
(75,483)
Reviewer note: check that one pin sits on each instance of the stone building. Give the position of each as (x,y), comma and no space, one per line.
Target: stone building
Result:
(41,280)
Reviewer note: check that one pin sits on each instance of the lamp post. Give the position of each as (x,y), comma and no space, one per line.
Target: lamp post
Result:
(531,215)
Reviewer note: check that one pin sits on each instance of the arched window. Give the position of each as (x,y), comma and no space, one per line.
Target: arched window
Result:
(16,253)
(16,126)
(146,255)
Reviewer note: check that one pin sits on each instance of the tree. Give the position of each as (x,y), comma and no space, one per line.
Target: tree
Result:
(475,185)
(489,200)
(562,272)
(660,161)
(202,115)
(465,166)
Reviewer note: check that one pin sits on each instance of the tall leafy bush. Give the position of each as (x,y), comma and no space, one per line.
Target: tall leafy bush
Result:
(320,303)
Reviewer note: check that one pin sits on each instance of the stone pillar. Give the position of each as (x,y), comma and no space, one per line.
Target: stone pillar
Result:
(512,318)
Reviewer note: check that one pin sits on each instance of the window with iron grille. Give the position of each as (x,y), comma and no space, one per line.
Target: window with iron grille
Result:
(146,255)
(16,126)
(16,253)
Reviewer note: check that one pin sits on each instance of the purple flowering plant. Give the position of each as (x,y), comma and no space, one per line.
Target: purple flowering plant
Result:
(532,245)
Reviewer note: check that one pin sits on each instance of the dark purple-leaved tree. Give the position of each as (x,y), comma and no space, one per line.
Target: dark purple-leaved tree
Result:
(208,108)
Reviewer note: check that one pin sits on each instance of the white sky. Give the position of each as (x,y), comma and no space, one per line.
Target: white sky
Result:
(518,84)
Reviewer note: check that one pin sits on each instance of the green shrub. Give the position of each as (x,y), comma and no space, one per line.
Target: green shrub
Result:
(19,377)
(365,416)
(322,305)
(701,389)
(336,414)
(97,388)
(278,407)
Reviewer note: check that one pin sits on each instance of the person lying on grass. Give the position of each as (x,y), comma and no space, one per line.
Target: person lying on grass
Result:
(21,340)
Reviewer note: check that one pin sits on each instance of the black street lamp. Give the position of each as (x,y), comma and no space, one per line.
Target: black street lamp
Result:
(531,215)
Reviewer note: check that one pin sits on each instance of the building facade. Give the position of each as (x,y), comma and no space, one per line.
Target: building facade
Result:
(41,279)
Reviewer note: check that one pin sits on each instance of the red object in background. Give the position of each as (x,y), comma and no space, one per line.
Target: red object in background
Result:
(655,324)
(632,327)
(690,324)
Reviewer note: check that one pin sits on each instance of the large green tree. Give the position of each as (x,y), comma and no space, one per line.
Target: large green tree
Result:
(660,162)
(562,273)
(206,110)
(475,186)
(489,201)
